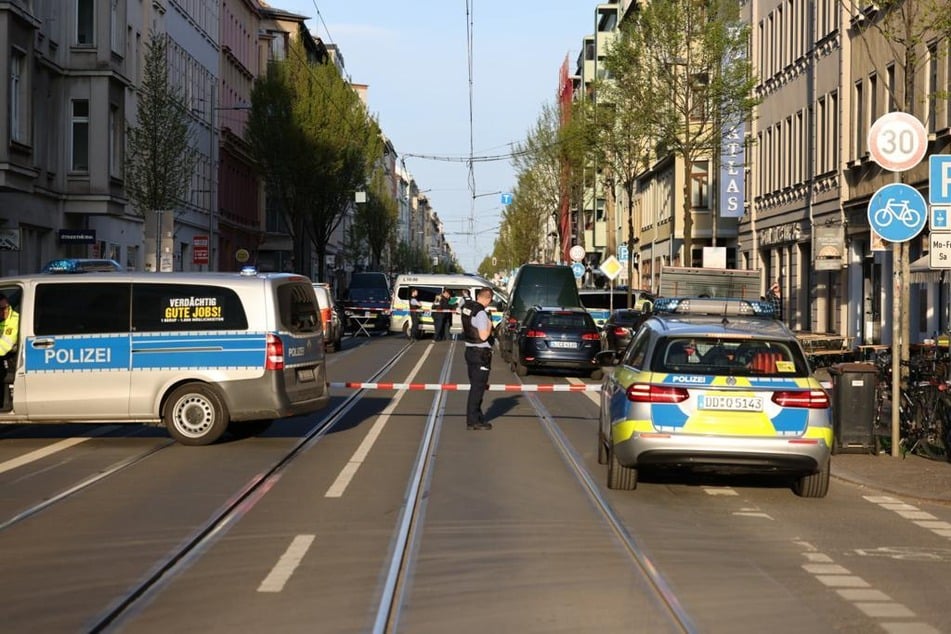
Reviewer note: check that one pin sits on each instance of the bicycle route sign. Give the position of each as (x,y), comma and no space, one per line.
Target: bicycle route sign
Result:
(897,212)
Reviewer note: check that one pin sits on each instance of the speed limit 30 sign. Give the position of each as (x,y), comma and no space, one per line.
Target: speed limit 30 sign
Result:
(897,141)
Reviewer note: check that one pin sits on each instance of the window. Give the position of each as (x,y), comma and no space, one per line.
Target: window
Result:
(81,309)
(115,141)
(17,96)
(85,21)
(79,138)
(933,87)
(892,86)
(178,307)
(700,185)
(861,127)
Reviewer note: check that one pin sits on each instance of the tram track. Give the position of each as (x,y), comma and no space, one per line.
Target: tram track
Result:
(161,574)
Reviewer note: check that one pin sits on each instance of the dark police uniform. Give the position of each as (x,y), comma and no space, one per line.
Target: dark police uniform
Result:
(478,361)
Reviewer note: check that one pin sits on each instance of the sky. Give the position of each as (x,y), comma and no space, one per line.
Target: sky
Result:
(413,56)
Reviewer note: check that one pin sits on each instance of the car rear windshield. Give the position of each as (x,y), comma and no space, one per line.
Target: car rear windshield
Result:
(714,356)
(566,320)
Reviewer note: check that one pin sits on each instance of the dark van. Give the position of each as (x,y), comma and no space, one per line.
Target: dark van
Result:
(366,302)
(535,285)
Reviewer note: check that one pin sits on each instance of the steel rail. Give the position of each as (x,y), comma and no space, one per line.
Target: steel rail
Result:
(180,558)
(663,593)
(406,542)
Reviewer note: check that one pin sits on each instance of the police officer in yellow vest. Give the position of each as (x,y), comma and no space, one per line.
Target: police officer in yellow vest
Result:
(477,331)
(9,331)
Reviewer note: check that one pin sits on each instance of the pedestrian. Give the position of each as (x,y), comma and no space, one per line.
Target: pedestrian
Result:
(9,332)
(442,320)
(414,313)
(477,332)
(774,297)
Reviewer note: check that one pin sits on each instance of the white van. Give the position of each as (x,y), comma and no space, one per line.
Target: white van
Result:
(429,286)
(193,351)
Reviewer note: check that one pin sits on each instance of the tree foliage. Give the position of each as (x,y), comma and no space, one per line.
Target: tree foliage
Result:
(682,64)
(161,154)
(375,221)
(316,143)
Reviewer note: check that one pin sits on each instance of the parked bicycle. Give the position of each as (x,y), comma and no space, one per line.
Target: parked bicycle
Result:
(924,407)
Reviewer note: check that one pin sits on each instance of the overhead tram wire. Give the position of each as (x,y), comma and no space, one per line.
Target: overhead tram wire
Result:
(470,29)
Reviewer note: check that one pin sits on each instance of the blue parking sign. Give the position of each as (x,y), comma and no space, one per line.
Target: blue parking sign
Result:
(939,181)
(578,269)
(897,212)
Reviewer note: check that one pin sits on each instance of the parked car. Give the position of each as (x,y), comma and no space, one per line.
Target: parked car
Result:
(555,337)
(715,384)
(619,329)
(329,316)
(535,285)
(600,302)
(81,265)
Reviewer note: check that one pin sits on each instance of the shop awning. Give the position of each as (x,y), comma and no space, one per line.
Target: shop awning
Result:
(922,273)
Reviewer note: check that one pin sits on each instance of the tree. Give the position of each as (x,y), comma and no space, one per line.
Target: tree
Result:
(313,138)
(375,221)
(684,64)
(161,149)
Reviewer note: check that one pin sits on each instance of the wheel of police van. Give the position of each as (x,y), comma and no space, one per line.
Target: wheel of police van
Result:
(620,477)
(194,414)
(813,485)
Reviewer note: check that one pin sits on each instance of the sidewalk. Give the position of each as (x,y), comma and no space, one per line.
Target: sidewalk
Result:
(911,476)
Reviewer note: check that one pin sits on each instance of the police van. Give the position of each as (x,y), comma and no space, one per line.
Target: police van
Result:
(200,353)
(430,285)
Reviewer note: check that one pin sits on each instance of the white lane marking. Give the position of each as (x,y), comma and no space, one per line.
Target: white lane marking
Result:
(873,603)
(719,491)
(594,396)
(287,564)
(56,447)
(752,514)
(349,470)
(911,512)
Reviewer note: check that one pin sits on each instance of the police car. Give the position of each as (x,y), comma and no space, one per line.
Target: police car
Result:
(715,384)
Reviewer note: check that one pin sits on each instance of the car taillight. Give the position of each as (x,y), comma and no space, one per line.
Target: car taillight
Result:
(646,393)
(591,336)
(275,353)
(535,333)
(809,399)
(619,331)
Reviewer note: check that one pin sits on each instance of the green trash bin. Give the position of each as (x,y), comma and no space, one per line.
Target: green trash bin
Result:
(853,407)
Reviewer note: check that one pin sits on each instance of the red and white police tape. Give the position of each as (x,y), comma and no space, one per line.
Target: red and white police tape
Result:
(463,387)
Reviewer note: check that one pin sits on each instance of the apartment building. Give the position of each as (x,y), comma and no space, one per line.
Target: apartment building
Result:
(825,73)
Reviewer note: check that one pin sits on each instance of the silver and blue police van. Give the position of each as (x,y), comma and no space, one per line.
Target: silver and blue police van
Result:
(195,352)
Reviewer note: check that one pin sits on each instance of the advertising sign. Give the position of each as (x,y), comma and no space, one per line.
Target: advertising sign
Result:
(200,250)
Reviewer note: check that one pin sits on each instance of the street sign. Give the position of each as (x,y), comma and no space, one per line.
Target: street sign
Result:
(939,255)
(576,253)
(611,267)
(622,252)
(506,199)
(200,250)
(897,141)
(939,183)
(578,269)
(940,219)
(897,212)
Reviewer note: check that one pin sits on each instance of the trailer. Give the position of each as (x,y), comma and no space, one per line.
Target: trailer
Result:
(684,281)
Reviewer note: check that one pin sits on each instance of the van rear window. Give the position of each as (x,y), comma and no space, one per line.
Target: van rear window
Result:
(298,308)
(179,307)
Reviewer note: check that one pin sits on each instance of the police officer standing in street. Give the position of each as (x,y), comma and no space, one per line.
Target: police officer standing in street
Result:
(414,313)
(441,312)
(477,331)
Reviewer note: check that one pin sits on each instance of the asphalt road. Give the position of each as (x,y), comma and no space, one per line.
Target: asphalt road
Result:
(508,537)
